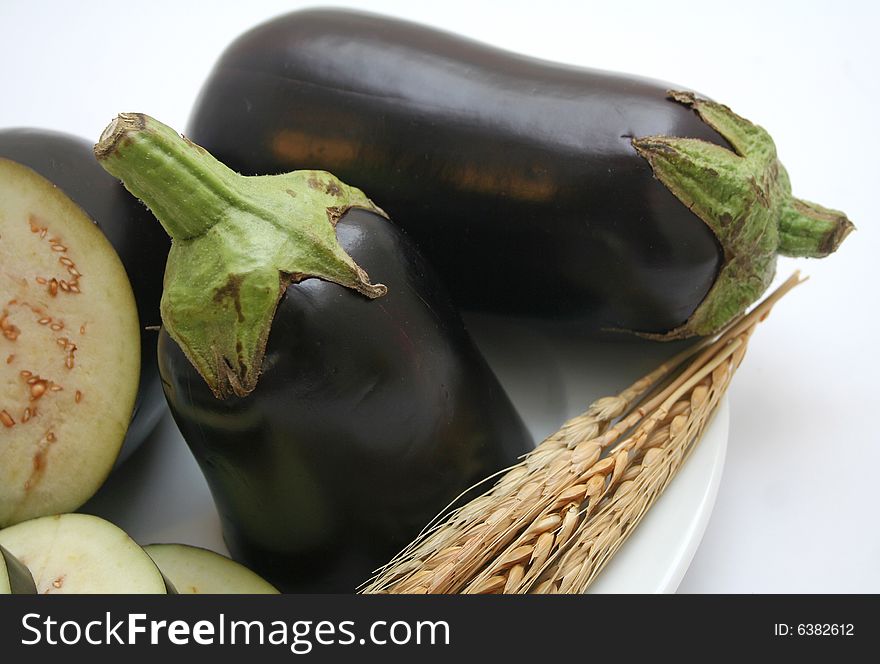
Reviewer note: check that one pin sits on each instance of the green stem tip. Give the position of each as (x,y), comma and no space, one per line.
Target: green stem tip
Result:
(237,243)
(744,196)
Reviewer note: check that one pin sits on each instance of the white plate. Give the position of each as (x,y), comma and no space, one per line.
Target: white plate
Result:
(551,374)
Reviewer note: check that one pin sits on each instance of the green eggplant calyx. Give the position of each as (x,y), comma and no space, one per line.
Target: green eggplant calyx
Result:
(744,196)
(237,243)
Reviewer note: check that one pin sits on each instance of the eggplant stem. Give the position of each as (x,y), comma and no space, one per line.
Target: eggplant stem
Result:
(238,243)
(744,197)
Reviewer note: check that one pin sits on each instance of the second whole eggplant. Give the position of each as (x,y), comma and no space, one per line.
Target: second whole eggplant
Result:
(333,417)
(536,189)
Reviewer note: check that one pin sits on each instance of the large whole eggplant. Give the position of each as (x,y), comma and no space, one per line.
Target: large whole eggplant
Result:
(332,417)
(68,163)
(534,188)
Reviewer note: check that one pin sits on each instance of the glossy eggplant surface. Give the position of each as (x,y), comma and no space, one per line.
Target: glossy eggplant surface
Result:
(369,417)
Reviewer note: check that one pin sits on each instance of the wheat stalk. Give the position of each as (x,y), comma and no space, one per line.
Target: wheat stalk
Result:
(551,523)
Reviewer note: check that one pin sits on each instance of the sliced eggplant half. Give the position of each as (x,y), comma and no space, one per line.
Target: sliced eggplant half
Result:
(15,577)
(193,570)
(82,554)
(69,350)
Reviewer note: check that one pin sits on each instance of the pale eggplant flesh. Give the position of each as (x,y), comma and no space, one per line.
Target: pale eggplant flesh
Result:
(82,554)
(69,360)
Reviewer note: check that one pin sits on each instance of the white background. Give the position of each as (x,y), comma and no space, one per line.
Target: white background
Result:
(798,505)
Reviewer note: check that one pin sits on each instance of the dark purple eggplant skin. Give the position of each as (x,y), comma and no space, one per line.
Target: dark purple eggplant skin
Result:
(140,242)
(515,176)
(369,417)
